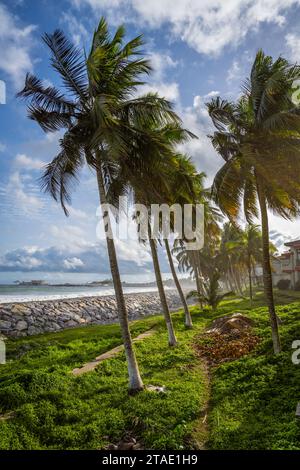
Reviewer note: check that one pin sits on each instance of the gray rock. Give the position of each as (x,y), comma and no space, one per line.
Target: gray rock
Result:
(32,330)
(5,325)
(21,325)
(71,323)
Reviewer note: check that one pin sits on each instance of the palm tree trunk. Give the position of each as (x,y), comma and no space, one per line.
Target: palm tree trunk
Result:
(188,318)
(196,262)
(135,381)
(267,273)
(161,291)
(233,276)
(250,281)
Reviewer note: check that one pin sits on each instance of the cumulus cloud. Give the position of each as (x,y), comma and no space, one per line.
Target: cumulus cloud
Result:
(279,239)
(207,26)
(293,45)
(170,91)
(196,119)
(78,31)
(28,163)
(161,64)
(22,194)
(73,263)
(91,259)
(15,44)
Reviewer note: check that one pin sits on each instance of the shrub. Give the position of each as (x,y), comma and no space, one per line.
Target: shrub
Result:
(283,284)
(297,285)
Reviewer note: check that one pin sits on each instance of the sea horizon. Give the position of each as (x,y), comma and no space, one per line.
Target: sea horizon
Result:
(58,286)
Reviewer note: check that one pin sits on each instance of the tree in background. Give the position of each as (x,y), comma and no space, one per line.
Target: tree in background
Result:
(259,139)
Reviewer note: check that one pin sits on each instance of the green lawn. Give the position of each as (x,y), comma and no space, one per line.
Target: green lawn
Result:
(252,403)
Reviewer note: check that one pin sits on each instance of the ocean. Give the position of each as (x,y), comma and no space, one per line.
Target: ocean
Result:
(12,292)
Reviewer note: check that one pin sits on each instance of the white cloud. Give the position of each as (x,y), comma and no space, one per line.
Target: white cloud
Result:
(170,91)
(27,163)
(234,73)
(134,251)
(78,31)
(211,94)
(293,44)
(15,45)
(77,213)
(196,119)
(93,258)
(69,235)
(2,147)
(73,263)
(208,26)
(161,64)
(22,195)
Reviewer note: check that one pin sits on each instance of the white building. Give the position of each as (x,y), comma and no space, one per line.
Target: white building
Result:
(287,265)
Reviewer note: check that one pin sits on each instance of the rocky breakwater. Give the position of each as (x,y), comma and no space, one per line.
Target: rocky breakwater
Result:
(31,318)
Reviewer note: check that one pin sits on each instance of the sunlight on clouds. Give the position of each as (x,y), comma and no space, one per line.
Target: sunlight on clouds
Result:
(161,64)
(72,263)
(208,26)
(23,196)
(293,45)
(22,161)
(15,45)
(170,91)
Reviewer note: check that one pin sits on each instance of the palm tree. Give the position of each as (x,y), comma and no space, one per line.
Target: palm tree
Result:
(96,115)
(212,294)
(258,137)
(248,250)
(147,185)
(184,187)
(191,260)
(165,177)
(233,256)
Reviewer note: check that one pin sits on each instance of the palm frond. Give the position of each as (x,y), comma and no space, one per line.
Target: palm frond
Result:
(48,98)
(69,61)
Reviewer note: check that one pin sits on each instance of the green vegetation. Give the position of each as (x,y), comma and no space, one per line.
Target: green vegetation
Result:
(254,398)
(252,404)
(55,410)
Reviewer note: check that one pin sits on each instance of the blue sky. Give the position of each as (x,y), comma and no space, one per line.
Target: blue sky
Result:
(198,49)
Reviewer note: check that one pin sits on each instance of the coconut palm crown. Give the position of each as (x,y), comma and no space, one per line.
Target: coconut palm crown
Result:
(259,138)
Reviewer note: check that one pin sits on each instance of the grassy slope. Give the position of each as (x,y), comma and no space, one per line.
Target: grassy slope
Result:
(252,406)
(55,410)
(254,399)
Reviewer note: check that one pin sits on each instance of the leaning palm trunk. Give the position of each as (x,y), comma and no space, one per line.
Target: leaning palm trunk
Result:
(197,274)
(135,381)
(250,281)
(267,273)
(161,291)
(188,318)
(199,286)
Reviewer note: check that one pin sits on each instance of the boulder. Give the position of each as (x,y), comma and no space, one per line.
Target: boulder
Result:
(32,330)
(21,325)
(5,325)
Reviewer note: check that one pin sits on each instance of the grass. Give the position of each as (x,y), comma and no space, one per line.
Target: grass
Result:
(252,403)
(54,410)
(254,399)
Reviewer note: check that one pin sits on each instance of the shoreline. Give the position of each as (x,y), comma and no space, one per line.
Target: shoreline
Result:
(15,298)
(19,319)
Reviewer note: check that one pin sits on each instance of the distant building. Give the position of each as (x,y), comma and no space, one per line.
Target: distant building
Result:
(287,265)
(34,282)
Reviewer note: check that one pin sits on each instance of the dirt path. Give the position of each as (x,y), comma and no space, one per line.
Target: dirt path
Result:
(89,366)
(200,432)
